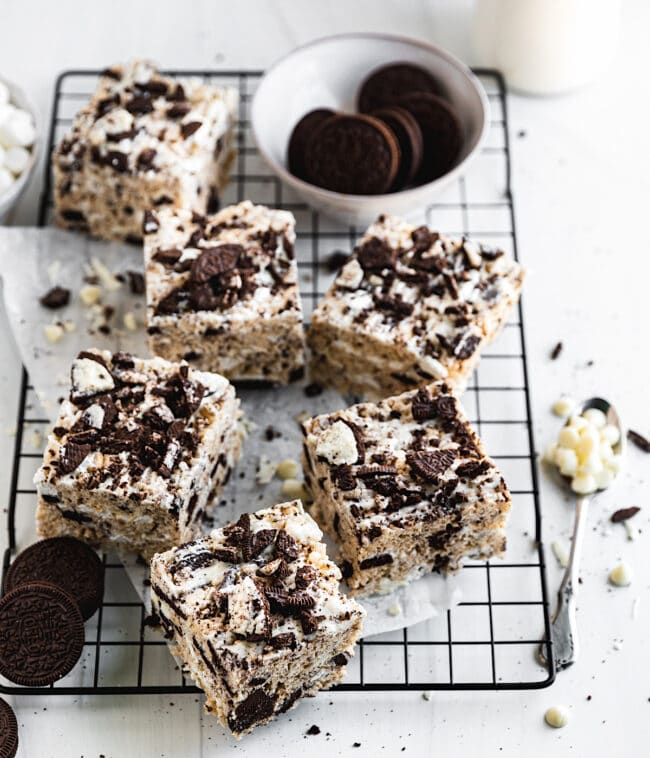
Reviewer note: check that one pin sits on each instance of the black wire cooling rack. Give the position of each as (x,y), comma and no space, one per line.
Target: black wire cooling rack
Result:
(489,640)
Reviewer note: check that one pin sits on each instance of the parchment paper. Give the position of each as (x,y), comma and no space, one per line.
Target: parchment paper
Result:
(33,260)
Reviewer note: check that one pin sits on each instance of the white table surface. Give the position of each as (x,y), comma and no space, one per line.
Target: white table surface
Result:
(582,191)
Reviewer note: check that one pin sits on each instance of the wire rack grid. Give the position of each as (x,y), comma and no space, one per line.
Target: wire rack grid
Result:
(489,640)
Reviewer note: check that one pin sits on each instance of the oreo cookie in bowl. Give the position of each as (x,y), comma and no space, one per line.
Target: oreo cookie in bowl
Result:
(369,124)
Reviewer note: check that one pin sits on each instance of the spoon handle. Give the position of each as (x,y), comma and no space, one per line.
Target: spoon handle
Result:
(563,624)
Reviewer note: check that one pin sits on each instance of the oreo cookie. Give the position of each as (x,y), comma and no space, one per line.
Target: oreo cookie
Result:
(409,136)
(441,133)
(356,155)
(8,731)
(300,136)
(66,563)
(385,85)
(41,634)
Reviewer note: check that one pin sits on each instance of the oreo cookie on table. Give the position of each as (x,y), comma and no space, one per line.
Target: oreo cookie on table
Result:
(441,133)
(409,136)
(386,84)
(8,731)
(41,634)
(66,563)
(300,136)
(353,154)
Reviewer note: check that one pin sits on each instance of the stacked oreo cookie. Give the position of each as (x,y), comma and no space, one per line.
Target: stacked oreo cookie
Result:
(405,134)
(49,590)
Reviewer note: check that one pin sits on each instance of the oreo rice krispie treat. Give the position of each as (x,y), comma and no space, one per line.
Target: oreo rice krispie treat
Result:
(405,487)
(255,614)
(143,141)
(138,452)
(410,307)
(222,292)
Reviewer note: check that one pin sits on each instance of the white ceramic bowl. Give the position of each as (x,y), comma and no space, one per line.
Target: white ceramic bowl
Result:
(9,199)
(328,73)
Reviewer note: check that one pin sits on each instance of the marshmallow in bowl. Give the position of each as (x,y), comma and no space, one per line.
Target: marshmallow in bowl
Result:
(585,451)
(17,135)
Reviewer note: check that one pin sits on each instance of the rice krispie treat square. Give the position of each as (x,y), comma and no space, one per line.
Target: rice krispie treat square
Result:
(222,292)
(139,451)
(410,307)
(255,614)
(143,141)
(405,487)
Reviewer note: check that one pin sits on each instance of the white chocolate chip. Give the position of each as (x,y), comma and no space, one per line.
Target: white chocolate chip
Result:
(294,489)
(583,484)
(595,417)
(433,367)
(90,377)
(394,610)
(567,461)
(610,434)
(568,438)
(621,575)
(550,452)
(130,322)
(557,716)
(351,275)
(564,406)
(90,294)
(560,554)
(108,279)
(265,470)
(16,159)
(337,444)
(288,469)
(53,332)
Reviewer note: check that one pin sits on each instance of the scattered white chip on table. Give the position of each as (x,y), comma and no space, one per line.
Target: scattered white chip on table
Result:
(557,716)
(621,575)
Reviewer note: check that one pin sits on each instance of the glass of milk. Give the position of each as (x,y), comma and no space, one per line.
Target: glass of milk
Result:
(546,47)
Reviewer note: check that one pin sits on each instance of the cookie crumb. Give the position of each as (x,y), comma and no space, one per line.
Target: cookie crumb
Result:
(313,729)
(555,353)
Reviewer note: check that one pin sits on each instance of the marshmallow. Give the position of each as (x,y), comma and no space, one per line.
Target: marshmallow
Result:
(6,180)
(564,407)
(17,130)
(621,575)
(16,159)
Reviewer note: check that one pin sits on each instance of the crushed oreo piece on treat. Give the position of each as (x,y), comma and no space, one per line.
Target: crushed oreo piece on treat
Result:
(466,346)
(423,407)
(639,440)
(214,261)
(305,575)
(167,257)
(57,297)
(376,470)
(428,465)
(179,109)
(188,128)
(343,477)
(257,707)
(286,640)
(376,254)
(383,559)
(623,514)
(286,546)
(72,455)
(446,406)
(473,469)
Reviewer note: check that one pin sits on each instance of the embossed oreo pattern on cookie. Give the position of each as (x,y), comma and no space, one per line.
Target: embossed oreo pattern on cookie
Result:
(41,634)
(384,85)
(65,562)
(353,154)
(8,731)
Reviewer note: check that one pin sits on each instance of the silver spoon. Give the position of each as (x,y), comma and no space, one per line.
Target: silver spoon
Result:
(564,631)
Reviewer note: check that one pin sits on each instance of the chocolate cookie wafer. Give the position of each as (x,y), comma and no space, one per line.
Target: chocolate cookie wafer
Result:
(353,154)
(388,83)
(409,136)
(441,133)
(300,136)
(41,634)
(8,731)
(65,562)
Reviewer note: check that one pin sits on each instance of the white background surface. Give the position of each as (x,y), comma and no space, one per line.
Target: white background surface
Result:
(582,198)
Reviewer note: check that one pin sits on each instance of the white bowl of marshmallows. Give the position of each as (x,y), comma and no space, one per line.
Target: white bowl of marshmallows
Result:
(18,144)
